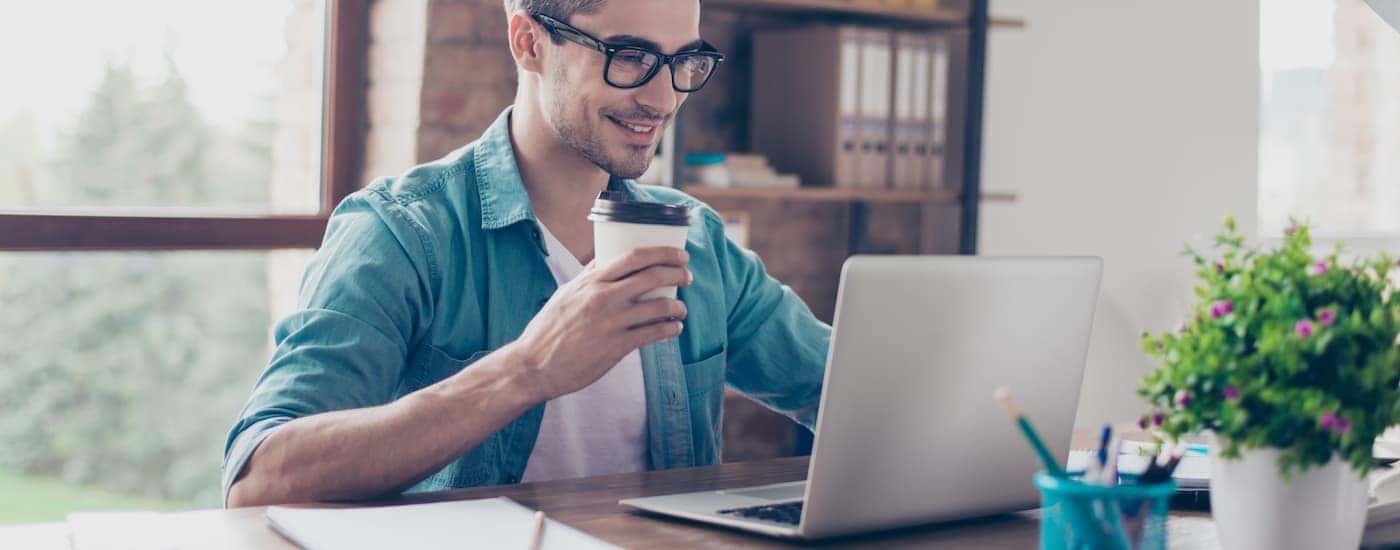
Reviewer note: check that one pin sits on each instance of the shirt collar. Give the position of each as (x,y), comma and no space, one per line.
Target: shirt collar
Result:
(504,200)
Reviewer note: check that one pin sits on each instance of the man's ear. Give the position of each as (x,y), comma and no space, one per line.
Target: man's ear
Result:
(526,42)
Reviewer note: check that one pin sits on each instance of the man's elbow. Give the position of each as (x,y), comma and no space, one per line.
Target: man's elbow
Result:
(246,491)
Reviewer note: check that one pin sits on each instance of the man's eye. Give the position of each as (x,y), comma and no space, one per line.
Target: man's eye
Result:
(634,56)
(697,63)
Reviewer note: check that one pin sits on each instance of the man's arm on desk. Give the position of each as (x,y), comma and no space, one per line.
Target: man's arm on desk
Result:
(360,453)
(365,452)
(320,424)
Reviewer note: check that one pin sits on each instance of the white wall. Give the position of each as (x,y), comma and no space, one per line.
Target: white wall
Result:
(1126,127)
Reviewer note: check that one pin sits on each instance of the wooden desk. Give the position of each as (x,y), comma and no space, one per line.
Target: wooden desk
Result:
(590,504)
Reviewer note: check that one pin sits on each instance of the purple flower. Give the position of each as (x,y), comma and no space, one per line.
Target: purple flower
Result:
(1157,419)
(1304,328)
(1221,308)
(1317,269)
(1231,393)
(1219,267)
(1290,230)
(1183,398)
(1327,317)
(1331,422)
(1142,422)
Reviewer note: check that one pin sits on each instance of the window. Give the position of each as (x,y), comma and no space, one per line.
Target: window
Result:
(1330,122)
(165,124)
(158,112)
(122,372)
(166,167)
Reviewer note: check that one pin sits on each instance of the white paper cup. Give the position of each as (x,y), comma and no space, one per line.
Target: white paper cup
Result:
(620,226)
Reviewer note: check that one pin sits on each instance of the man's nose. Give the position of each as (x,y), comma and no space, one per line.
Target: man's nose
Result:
(657,95)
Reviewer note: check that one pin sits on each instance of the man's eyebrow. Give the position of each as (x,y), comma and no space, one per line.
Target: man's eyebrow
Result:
(633,40)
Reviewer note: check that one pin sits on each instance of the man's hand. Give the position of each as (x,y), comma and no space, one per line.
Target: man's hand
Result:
(595,320)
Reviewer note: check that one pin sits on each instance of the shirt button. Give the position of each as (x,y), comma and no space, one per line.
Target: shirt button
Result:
(512,479)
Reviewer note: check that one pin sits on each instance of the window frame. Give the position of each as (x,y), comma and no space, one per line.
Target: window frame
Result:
(342,131)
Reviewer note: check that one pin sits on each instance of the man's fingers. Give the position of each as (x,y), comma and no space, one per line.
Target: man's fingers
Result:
(650,334)
(645,281)
(651,311)
(640,259)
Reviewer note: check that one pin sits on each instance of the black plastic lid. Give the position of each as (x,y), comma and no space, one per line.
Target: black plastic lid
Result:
(613,206)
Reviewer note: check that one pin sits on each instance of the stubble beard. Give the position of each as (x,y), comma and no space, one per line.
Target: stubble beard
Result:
(585,139)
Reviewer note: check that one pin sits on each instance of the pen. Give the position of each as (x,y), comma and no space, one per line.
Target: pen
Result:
(1157,473)
(1110,470)
(1051,465)
(537,538)
(1103,444)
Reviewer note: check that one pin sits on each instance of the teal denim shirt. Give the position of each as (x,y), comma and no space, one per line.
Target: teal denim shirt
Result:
(422,274)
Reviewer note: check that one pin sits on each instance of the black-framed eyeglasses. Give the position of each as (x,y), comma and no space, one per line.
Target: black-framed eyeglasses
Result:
(630,67)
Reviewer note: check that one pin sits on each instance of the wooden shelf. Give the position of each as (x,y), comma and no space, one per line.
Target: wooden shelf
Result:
(998,196)
(926,17)
(838,195)
(1007,22)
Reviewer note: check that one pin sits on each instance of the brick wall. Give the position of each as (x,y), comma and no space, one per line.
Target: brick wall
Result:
(468,76)
(439,73)
(394,74)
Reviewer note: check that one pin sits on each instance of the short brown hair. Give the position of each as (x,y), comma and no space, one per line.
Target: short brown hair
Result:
(558,9)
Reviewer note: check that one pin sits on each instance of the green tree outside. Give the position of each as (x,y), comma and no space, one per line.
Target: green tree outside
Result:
(121,372)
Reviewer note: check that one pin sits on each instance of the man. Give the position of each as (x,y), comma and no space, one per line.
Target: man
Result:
(453,332)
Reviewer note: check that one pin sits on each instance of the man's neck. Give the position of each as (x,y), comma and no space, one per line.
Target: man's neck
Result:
(562,184)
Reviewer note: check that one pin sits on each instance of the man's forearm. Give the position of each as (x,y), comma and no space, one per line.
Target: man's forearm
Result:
(362,453)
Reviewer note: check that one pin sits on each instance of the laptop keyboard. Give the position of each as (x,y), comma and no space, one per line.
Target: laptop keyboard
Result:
(787,512)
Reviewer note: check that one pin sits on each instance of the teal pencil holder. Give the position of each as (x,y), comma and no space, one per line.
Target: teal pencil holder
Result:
(1076,515)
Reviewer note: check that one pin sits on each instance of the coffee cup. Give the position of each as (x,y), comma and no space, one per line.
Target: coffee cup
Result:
(621,225)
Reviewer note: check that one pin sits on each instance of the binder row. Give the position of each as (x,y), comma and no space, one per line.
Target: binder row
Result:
(852,107)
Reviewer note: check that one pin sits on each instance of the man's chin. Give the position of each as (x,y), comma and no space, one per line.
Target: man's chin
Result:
(629,166)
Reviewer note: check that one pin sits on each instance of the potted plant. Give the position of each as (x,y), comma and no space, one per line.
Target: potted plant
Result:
(1291,364)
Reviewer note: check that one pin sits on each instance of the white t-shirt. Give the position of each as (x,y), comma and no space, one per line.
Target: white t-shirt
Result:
(601,429)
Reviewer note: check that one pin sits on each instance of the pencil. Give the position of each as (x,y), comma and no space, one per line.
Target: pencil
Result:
(537,538)
(1051,464)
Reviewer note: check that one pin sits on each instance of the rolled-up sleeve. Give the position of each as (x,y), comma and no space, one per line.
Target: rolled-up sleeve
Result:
(361,299)
(777,348)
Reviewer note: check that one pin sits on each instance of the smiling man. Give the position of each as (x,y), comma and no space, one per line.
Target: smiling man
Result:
(453,330)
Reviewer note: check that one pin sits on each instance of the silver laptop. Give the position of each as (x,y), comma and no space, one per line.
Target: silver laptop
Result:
(908,431)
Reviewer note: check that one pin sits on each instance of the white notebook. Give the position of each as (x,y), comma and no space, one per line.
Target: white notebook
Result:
(487,523)
(1192,474)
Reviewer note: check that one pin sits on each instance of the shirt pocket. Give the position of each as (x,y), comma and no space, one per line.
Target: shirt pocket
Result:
(432,365)
(704,380)
(706,375)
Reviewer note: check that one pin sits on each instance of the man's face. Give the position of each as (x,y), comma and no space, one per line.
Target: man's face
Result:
(617,129)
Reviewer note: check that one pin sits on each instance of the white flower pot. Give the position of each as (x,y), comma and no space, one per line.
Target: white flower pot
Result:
(1254,507)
